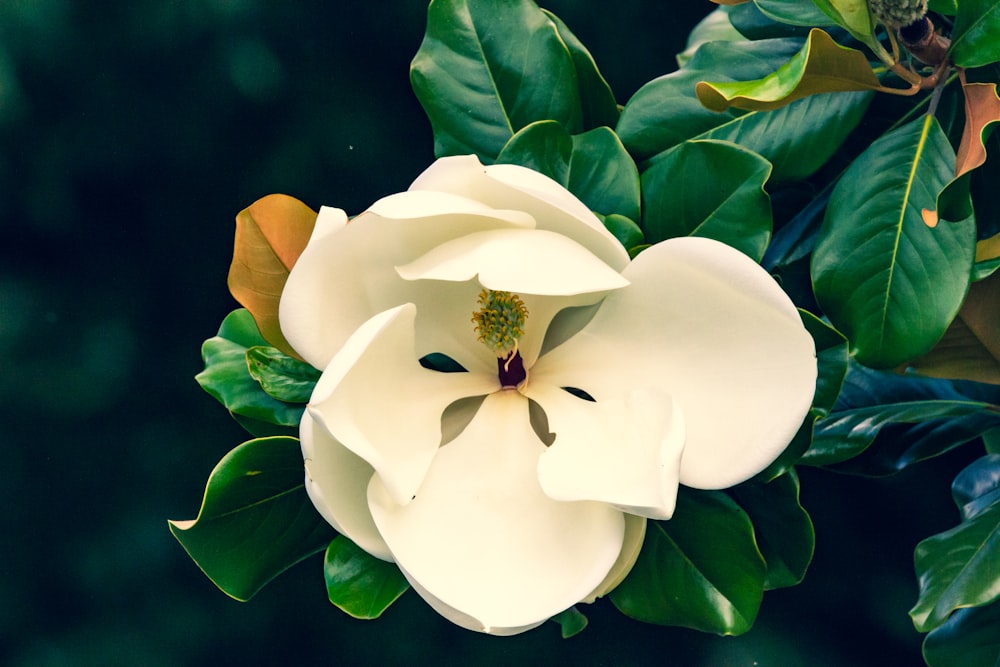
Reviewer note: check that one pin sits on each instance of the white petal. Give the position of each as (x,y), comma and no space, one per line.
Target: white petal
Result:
(712,329)
(346,273)
(509,186)
(483,539)
(526,261)
(337,483)
(635,534)
(625,451)
(380,403)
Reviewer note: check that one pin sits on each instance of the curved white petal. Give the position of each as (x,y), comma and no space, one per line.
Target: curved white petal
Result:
(380,403)
(347,272)
(625,451)
(526,261)
(337,483)
(712,329)
(509,186)
(483,539)
(635,534)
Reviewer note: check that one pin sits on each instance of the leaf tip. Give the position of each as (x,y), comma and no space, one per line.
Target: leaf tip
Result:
(930,217)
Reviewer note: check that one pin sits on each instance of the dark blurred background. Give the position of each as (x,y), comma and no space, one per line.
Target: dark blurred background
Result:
(130,135)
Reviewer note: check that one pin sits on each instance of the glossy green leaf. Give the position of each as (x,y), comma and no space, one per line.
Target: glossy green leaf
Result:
(256,520)
(969,638)
(281,376)
(665,111)
(594,165)
(701,569)
(885,279)
(782,527)
(794,12)
(831,359)
(822,66)
(625,230)
(913,418)
(797,139)
(572,621)
(715,27)
(597,102)
(977,487)
(227,375)
(975,39)
(487,68)
(958,568)
(708,188)
(358,583)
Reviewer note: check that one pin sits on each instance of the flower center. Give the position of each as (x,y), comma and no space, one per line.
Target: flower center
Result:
(499,324)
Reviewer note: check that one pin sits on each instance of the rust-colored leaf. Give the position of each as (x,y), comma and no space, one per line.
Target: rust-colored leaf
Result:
(982,107)
(970,349)
(270,235)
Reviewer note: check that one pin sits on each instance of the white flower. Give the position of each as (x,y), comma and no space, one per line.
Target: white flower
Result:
(698,365)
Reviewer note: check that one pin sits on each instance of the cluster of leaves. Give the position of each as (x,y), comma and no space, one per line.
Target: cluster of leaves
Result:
(792,131)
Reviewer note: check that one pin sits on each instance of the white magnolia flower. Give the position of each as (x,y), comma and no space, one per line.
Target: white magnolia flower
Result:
(594,386)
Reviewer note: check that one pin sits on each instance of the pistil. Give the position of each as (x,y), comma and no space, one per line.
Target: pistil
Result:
(499,324)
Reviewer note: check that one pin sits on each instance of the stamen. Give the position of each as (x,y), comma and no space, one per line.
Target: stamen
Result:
(500,321)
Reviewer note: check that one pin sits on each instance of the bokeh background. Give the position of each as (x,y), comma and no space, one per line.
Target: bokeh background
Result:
(130,135)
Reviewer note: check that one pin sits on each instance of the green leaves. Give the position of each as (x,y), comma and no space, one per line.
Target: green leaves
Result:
(957,568)
(227,375)
(594,165)
(256,520)
(488,68)
(822,66)
(711,189)
(358,583)
(887,280)
(701,569)
(975,41)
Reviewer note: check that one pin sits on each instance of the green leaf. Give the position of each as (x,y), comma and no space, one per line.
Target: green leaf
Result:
(227,375)
(597,102)
(281,376)
(977,487)
(975,40)
(713,28)
(832,359)
(887,280)
(822,66)
(797,139)
(969,638)
(625,230)
(594,165)
(256,520)
(572,621)
(359,583)
(701,569)
(708,188)
(794,12)
(487,68)
(958,568)
(783,529)
(920,417)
